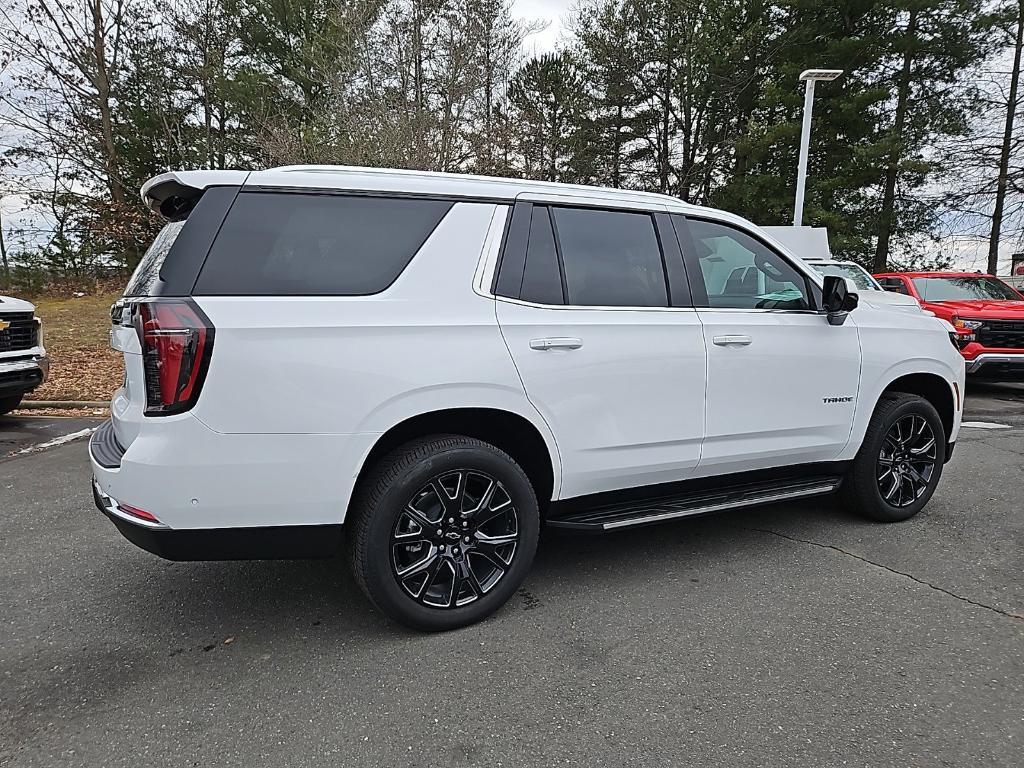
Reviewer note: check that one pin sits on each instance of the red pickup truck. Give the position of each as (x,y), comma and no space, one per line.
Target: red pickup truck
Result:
(987,313)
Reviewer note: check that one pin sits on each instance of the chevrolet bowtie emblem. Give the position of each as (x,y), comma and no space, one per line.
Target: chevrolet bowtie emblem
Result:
(4,325)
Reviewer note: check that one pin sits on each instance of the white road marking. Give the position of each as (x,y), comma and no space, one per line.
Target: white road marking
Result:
(984,425)
(57,441)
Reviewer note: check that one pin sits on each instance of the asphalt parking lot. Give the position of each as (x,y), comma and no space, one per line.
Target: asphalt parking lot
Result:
(784,636)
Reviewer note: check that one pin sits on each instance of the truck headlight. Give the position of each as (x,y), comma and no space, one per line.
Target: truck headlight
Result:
(967,325)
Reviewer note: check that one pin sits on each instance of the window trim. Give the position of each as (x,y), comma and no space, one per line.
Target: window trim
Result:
(677,289)
(701,300)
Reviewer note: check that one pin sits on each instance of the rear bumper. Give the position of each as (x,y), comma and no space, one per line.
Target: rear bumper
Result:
(997,365)
(22,374)
(191,477)
(267,543)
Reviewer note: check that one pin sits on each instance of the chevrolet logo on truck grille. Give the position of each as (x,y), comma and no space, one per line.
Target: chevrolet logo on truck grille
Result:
(4,325)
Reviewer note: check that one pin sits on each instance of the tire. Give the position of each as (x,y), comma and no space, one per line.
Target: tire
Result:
(401,491)
(881,464)
(8,404)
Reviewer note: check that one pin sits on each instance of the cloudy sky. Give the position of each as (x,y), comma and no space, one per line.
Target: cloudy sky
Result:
(550,11)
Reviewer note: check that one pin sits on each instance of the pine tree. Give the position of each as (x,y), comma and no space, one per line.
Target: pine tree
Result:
(546,95)
(930,45)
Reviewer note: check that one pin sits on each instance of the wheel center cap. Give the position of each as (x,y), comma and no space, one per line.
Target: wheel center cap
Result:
(453,535)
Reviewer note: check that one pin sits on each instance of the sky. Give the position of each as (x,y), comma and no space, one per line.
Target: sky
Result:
(551,11)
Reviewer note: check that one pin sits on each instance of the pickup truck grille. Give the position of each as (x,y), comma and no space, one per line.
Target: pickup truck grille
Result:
(1006,334)
(23,332)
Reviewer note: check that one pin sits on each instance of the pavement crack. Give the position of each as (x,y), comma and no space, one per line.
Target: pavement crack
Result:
(910,576)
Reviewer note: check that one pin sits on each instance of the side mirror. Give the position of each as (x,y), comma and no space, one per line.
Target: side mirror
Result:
(839,298)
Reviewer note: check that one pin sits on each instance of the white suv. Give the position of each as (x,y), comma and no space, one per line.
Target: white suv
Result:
(441,364)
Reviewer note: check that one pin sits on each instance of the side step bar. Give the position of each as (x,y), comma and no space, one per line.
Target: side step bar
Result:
(656,510)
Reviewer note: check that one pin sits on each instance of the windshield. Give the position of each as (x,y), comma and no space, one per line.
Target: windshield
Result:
(852,271)
(964,289)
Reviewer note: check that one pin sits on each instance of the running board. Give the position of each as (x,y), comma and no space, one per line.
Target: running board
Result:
(656,510)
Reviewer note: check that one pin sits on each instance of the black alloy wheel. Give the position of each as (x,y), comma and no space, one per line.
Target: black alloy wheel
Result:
(900,460)
(455,539)
(442,531)
(907,460)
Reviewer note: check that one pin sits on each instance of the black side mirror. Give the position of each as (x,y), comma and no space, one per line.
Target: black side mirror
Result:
(837,299)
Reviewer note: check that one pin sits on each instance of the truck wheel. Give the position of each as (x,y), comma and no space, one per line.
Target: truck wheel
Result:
(900,461)
(442,532)
(8,404)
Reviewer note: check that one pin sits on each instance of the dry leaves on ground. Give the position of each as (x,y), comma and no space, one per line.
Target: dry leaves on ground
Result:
(82,364)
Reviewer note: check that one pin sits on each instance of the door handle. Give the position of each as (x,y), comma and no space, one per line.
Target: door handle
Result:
(556,343)
(732,341)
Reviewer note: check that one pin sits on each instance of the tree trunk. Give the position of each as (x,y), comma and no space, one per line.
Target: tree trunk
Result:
(1004,155)
(553,148)
(886,218)
(103,103)
(3,249)
(666,108)
(418,82)
(488,99)
(617,153)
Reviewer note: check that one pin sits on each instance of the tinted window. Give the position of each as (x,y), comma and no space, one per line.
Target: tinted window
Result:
(508,279)
(146,274)
(964,289)
(326,245)
(610,258)
(542,280)
(740,271)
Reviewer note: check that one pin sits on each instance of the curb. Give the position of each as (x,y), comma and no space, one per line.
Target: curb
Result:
(28,405)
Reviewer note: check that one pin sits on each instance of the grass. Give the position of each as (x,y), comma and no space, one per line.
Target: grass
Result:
(82,364)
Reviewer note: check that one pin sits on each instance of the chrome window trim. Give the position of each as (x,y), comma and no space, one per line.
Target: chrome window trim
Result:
(750,310)
(590,307)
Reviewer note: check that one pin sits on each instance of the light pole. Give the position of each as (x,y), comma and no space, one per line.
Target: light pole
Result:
(809,76)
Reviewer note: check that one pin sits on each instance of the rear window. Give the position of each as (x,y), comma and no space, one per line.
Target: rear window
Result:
(144,279)
(293,244)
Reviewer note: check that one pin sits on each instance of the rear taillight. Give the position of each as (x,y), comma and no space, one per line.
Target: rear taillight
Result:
(177,340)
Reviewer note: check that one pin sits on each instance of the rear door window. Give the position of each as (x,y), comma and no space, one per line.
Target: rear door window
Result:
(292,244)
(610,258)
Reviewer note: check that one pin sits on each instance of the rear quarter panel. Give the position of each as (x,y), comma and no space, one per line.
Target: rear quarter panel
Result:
(340,365)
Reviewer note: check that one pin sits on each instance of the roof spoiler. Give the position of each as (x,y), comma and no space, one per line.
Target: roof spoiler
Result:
(175,193)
